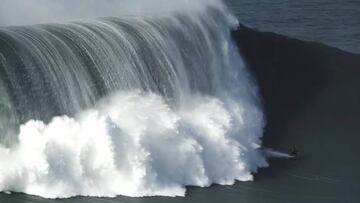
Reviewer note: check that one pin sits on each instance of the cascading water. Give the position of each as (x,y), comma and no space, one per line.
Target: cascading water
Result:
(133,105)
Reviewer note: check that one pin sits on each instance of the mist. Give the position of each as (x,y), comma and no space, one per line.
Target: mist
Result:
(23,12)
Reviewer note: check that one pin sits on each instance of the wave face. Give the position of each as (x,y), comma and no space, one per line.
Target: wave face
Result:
(132,105)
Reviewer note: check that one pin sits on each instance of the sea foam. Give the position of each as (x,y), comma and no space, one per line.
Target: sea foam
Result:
(134,144)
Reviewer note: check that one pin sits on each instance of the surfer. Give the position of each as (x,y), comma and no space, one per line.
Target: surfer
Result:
(294,152)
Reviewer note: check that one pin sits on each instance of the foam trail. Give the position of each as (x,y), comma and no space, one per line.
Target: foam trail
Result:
(277,154)
(135,105)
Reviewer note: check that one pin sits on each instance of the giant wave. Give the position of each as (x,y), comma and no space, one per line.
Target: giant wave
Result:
(135,105)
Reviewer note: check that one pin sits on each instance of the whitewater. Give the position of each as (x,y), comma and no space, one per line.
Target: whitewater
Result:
(124,98)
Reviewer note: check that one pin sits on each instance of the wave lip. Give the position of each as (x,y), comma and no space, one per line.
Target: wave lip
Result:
(20,12)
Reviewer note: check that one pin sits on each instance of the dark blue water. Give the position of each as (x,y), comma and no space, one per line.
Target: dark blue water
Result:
(333,22)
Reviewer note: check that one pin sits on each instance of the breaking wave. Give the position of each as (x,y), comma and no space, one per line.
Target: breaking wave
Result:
(132,105)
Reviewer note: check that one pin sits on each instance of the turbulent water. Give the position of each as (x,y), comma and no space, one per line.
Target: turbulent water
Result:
(135,105)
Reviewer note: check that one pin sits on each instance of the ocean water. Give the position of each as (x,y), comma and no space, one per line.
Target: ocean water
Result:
(181,111)
(333,22)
